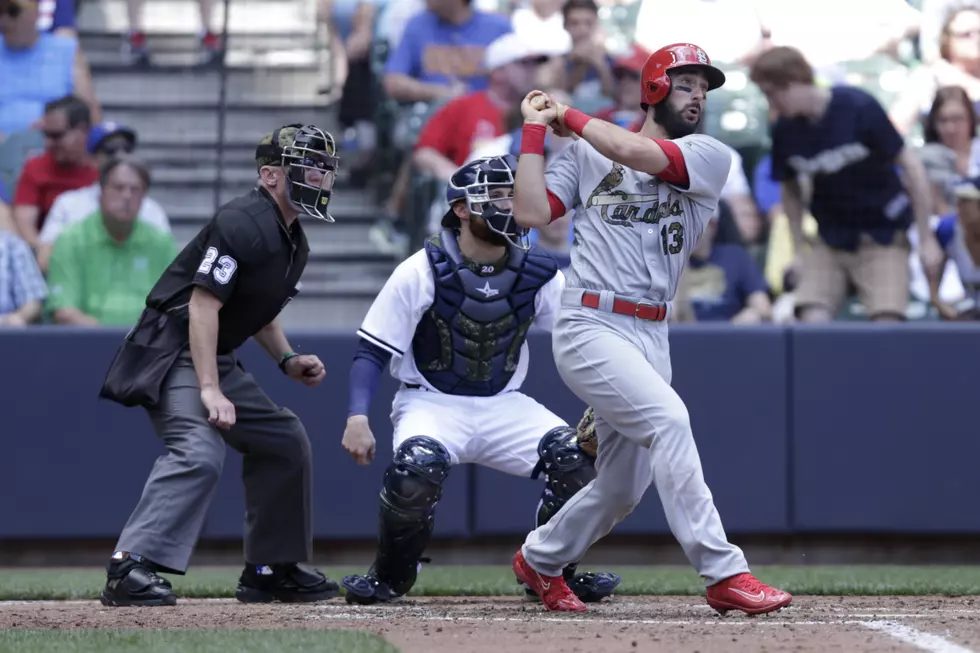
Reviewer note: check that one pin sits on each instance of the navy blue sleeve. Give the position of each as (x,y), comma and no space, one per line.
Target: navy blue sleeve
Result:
(877,130)
(779,167)
(751,278)
(64,15)
(365,372)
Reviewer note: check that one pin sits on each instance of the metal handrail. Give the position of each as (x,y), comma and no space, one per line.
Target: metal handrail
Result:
(222,106)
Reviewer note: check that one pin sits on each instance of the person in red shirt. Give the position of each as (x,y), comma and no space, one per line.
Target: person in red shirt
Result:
(466,122)
(626,111)
(65,165)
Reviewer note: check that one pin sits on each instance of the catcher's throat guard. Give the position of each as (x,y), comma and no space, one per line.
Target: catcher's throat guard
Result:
(476,182)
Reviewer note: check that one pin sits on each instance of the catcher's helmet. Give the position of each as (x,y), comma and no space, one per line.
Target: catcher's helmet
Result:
(299,149)
(474,182)
(654,78)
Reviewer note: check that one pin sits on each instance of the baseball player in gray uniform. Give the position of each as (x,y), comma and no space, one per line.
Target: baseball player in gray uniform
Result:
(642,201)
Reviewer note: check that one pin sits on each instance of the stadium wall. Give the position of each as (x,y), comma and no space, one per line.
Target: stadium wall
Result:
(802,431)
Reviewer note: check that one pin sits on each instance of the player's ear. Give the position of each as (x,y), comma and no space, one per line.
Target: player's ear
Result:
(268,175)
(459,208)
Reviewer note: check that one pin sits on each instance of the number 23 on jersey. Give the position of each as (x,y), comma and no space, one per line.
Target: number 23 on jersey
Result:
(223,271)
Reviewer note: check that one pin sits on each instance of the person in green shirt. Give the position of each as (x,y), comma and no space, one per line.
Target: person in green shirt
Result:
(102,267)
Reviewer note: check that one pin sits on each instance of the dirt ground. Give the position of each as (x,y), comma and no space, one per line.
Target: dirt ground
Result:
(482,625)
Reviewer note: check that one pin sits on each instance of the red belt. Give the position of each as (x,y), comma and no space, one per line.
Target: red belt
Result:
(642,310)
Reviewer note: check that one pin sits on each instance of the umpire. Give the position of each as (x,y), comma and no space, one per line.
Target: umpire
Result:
(227,285)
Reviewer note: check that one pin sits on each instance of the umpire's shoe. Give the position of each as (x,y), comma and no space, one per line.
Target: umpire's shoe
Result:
(293,583)
(133,581)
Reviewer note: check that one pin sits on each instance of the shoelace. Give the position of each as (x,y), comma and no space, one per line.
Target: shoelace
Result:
(752,585)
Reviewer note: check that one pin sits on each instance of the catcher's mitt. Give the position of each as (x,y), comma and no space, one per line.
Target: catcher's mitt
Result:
(587,440)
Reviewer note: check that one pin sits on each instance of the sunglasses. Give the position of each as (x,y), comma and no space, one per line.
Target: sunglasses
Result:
(10,9)
(115,149)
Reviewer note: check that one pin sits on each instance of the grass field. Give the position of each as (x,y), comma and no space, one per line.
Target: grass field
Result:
(58,584)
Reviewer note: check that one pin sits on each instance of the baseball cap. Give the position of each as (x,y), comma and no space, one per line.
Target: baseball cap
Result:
(278,140)
(633,60)
(512,47)
(99,133)
(968,189)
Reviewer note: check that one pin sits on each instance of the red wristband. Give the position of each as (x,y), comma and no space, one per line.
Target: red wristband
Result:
(532,139)
(576,120)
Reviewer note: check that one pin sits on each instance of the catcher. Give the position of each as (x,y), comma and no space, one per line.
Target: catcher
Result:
(451,323)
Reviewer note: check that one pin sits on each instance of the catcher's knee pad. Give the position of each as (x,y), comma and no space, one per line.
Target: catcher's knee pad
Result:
(411,488)
(566,467)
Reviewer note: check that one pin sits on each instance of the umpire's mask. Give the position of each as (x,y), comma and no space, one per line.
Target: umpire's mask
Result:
(309,160)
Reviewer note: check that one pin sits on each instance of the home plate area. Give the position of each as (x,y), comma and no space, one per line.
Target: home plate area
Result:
(512,625)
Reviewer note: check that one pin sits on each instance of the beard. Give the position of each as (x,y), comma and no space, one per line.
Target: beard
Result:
(673,122)
(480,230)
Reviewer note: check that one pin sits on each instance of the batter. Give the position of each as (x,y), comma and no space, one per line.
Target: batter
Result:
(642,202)
(452,320)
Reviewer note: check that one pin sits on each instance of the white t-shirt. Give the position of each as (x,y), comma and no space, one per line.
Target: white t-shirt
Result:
(394,316)
(75,205)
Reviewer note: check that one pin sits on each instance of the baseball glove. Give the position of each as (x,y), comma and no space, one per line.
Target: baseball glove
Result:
(587,440)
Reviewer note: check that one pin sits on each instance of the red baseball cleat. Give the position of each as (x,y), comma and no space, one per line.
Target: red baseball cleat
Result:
(747,593)
(554,592)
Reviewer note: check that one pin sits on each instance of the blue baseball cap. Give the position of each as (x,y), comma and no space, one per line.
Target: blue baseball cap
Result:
(99,133)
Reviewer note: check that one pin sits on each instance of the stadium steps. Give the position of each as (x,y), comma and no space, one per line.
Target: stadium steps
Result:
(275,71)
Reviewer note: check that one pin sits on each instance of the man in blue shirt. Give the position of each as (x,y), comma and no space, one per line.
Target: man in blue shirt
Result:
(723,283)
(441,51)
(841,141)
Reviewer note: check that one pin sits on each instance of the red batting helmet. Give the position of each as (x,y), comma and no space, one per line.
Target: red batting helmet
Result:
(656,83)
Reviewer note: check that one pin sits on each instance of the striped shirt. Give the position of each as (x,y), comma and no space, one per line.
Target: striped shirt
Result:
(21,280)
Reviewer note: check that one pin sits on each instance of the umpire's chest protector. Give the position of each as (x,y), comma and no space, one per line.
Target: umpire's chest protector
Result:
(469,341)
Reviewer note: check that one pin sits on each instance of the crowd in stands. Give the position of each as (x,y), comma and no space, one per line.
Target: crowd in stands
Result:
(831,212)
(856,196)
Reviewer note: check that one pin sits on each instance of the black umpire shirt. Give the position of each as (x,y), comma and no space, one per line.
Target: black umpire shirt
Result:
(248,258)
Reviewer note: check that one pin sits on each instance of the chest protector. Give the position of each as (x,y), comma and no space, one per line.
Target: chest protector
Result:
(469,341)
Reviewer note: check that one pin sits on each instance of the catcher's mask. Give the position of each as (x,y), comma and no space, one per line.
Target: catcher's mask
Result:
(475,183)
(308,156)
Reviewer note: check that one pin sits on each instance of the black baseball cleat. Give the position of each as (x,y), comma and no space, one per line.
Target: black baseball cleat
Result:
(589,587)
(366,590)
(133,581)
(292,583)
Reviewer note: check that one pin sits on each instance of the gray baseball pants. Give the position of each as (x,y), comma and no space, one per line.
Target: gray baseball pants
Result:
(276,472)
(620,366)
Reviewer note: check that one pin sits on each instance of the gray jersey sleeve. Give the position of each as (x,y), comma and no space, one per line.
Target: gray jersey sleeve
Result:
(563,174)
(708,162)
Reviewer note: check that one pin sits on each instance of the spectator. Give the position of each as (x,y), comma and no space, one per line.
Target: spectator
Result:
(543,21)
(723,282)
(350,25)
(625,110)
(733,35)
(36,68)
(6,220)
(952,149)
(934,14)
(588,67)
(135,50)
(466,123)
(831,32)
(103,266)
(393,17)
(841,141)
(441,51)
(57,17)
(959,236)
(22,288)
(105,142)
(958,65)
(65,165)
